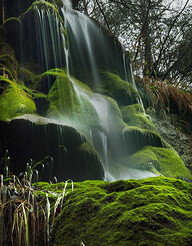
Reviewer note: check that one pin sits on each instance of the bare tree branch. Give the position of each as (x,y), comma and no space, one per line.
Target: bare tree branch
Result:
(167,36)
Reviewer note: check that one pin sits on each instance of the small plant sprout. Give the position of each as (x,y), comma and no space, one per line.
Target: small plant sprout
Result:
(20,209)
(55,179)
(63,195)
(56,208)
(1,180)
(37,177)
(48,208)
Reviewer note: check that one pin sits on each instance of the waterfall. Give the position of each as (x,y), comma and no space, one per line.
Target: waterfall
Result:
(87,50)
(73,53)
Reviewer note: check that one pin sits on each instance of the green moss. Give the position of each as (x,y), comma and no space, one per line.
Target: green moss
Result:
(136,138)
(8,61)
(64,32)
(123,92)
(158,160)
(62,72)
(13,100)
(40,5)
(53,112)
(133,115)
(153,211)
(58,3)
(10,20)
(29,78)
(87,147)
(114,118)
(70,101)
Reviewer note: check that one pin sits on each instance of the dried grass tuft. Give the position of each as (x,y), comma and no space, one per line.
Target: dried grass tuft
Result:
(169,99)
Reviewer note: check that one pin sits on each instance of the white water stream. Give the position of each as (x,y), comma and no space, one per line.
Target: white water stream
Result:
(82,35)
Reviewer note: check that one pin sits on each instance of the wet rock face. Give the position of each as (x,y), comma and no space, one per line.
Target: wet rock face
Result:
(26,140)
(172,131)
(14,8)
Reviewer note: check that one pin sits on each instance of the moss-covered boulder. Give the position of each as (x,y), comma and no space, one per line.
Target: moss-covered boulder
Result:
(158,160)
(109,114)
(134,115)
(131,140)
(14,101)
(123,92)
(153,211)
(71,100)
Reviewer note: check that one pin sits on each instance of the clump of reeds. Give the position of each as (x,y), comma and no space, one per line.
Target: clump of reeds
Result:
(24,220)
(169,99)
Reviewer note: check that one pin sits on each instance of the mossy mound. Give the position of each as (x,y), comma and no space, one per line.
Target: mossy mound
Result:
(14,101)
(153,211)
(70,101)
(133,115)
(41,100)
(158,160)
(123,92)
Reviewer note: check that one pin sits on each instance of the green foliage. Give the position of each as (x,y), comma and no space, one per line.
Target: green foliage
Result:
(153,211)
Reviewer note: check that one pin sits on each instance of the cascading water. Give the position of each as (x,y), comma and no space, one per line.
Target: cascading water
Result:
(67,46)
(86,51)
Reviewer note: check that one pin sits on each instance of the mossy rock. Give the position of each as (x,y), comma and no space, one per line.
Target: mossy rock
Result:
(29,78)
(153,211)
(71,101)
(14,101)
(92,161)
(131,140)
(109,113)
(8,62)
(134,115)
(123,92)
(158,160)
(115,118)
(41,100)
